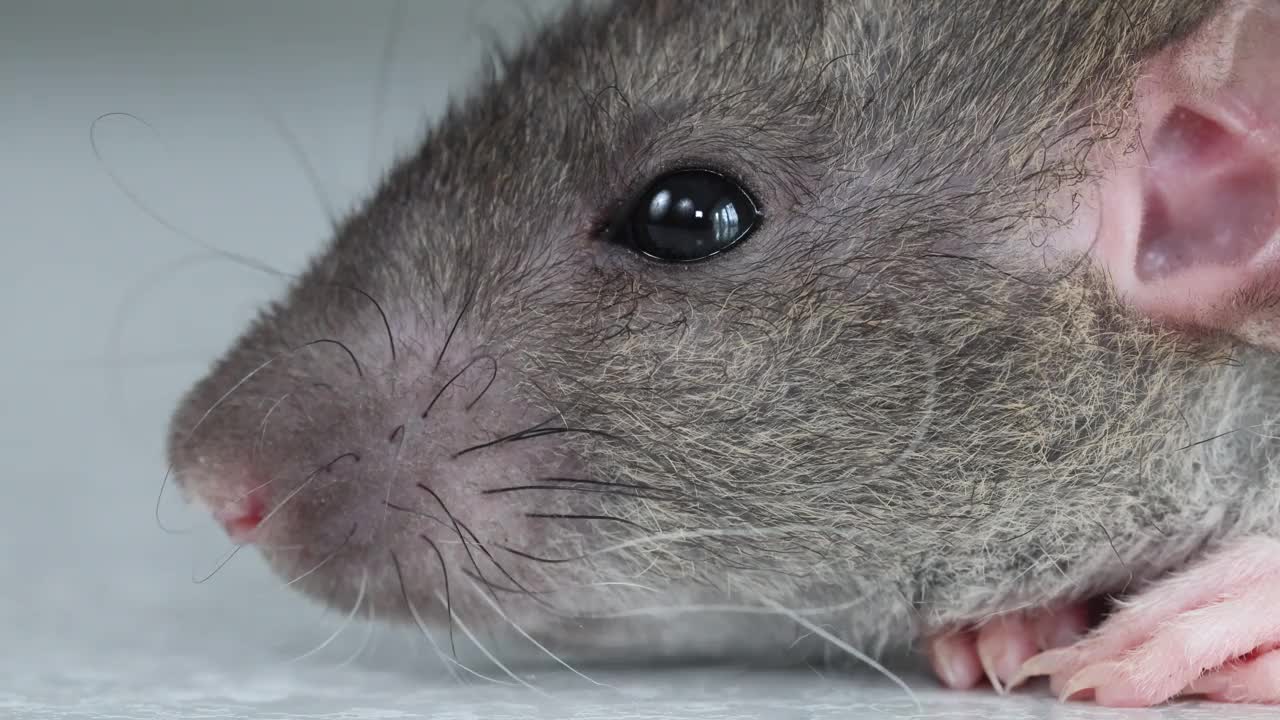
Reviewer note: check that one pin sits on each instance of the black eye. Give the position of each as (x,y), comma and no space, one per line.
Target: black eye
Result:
(688,215)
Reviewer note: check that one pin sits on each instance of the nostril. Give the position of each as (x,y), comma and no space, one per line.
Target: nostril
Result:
(241,517)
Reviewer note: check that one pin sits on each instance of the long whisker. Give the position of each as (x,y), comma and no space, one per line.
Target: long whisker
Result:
(456,526)
(446,386)
(386,324)
(456,322)
(566,516)
(327,558)
(383,82)
(562,488)
(221,564)
(151,212)
(399,439)
(448,599)
(529,435)
(368,635)
(846,647)
(364,584)
(663,537)
(532,595)
(417,513)
(492,377)
(262,427)
(535,558)
(485,651)
(666,610)
(449,662)
(347,350)
(300,156)
(537,644)
(586,481)
(324,468)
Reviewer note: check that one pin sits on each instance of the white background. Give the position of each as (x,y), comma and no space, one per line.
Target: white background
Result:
(106,315)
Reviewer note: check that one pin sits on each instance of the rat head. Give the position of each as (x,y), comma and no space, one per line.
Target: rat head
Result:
(762,299)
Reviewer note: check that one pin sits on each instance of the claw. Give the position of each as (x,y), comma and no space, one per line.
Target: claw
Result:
(1046,663)
(1087,679)
(988,669)
(955,660)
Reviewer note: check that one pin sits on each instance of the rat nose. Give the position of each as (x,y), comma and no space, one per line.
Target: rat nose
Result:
(241,517)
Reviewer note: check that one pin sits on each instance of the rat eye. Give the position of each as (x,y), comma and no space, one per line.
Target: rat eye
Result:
(688,215)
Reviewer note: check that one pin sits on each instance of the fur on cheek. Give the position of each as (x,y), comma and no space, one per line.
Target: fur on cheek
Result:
(929,443)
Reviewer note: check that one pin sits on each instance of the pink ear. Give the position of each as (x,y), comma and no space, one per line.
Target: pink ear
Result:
(1190,219)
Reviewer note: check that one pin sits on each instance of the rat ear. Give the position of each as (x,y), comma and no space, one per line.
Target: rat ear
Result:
(1190,210)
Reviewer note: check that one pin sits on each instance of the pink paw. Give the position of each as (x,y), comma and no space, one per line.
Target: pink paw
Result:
(997,649)
(1212,630)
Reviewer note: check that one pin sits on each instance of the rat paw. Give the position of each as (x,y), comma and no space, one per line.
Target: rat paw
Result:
(1212,630)
(998,648)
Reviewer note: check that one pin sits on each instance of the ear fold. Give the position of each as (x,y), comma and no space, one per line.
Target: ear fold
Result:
(1190,211)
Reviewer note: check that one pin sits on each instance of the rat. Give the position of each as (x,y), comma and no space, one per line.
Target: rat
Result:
(696,329)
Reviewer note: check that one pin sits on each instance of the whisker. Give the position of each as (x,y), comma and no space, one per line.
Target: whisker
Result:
(155,215)
(501,569)
(535,558)
(446,386)
(262,427)
(364,583)
(529,435)
(488,385)
(561,488)
(386,324)
(661,610)
(416,513)
(563,516)
(449,662)
(586,481)
(391,478)
(448,600)
(457,321)
(327,558)
(846,647)
(222,563)
(383,82)
(300,156)
(279,506)
(485,651)
(456,526)
(663,537)
(347,350)
(368,635)
(539,645)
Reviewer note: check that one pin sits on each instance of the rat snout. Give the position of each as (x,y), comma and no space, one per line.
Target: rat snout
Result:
(240,518)
(232,496)
(394,469)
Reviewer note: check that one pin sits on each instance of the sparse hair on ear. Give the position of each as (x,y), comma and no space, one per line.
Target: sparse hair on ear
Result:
(1191,200)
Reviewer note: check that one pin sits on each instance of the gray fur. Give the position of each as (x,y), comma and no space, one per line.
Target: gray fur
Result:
(883,403)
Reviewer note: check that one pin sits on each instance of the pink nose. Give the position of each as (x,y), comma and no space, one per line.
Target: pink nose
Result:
(241,518)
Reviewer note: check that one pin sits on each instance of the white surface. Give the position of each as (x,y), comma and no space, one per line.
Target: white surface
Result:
(108,315)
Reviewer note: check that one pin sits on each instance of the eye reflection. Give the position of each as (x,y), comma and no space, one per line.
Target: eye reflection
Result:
(725,219)
(689,215)
(659,205)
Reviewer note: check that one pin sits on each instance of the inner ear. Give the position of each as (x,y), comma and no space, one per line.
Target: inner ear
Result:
(1209,200)
(1191,217)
